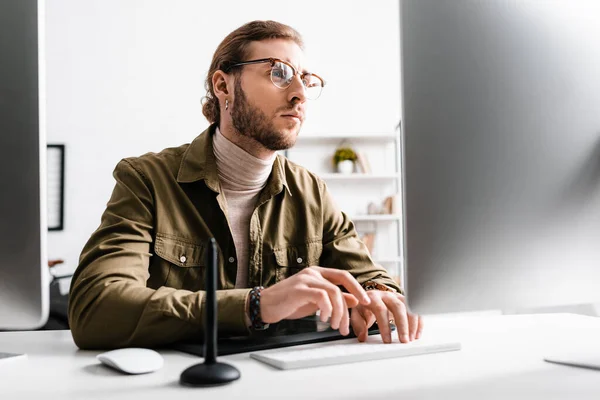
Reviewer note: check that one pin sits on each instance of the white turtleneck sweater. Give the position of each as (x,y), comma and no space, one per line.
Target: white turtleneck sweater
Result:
(242,177)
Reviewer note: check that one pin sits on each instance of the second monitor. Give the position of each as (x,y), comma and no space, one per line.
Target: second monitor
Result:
(501,154)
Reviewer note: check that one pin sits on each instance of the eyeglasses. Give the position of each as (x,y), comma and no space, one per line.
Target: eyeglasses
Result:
(283,73)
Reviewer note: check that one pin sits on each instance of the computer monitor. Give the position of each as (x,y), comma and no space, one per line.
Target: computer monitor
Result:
(501,153)
(23,262)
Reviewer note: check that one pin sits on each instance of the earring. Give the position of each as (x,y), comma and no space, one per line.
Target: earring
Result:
(226,104)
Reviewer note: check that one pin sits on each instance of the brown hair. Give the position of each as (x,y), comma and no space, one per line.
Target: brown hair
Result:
(234,48)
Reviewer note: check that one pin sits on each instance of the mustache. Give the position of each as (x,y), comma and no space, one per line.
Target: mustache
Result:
(296,112)
(292,110)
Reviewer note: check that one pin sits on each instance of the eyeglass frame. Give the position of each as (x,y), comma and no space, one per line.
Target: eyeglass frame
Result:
(273,61)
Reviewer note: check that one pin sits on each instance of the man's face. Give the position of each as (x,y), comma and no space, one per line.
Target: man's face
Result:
(270,115)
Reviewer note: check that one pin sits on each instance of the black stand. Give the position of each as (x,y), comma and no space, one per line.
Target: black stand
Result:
(211,372)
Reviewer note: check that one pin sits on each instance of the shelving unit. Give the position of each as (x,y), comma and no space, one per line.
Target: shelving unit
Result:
(354,192)
(357,176)
(376,217)
(388,260)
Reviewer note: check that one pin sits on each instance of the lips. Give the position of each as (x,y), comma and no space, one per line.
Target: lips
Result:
(299,116)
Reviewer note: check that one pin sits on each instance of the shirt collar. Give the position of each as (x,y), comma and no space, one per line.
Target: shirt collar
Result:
(198,163)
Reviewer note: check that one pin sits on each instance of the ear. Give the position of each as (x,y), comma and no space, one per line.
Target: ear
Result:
(222,85)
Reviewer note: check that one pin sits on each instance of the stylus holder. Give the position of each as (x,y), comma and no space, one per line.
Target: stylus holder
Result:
(210,372)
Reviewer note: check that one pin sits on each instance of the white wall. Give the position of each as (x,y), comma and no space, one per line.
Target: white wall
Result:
(125,77)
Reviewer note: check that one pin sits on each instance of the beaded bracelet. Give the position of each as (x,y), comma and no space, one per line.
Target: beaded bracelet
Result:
(254,309)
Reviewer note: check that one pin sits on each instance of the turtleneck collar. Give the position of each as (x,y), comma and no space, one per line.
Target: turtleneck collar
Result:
(237,169)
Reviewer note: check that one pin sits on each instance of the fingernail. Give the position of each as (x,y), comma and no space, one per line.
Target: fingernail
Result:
(405,338)
(366,299)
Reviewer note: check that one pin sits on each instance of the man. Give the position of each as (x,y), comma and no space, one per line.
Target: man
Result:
(284,248)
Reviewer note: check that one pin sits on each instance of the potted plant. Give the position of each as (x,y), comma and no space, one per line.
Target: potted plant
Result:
(343,159)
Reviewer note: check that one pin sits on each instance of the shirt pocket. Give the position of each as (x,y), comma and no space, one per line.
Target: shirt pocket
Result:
(184,260)
(291,260)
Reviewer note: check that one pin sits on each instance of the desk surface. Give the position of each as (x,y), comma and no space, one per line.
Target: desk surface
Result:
(501,357)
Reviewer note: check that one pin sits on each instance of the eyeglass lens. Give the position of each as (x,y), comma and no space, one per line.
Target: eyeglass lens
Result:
(282,76)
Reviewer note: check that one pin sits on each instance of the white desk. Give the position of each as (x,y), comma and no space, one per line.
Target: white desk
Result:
(501,358)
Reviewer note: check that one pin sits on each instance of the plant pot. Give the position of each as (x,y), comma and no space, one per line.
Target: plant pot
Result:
(345,167)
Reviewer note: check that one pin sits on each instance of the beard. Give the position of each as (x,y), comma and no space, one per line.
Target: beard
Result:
(251,122)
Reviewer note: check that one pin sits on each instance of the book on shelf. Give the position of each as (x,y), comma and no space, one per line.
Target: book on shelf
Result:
(388,205)
(392,205)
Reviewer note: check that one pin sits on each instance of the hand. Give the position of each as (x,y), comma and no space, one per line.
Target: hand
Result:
(386,306)
(312,289)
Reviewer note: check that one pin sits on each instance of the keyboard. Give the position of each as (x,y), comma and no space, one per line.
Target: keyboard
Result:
(349,351)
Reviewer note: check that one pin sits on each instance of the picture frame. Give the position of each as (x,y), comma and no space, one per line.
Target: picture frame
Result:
(55,157)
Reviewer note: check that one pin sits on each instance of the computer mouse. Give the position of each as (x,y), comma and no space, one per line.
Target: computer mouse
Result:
(132,360)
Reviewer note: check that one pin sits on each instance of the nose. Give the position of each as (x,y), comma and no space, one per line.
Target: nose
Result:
(297,90)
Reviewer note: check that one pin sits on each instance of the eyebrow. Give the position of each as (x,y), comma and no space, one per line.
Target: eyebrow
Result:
(302,71)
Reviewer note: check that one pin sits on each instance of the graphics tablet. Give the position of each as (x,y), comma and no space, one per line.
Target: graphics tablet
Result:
(282,334)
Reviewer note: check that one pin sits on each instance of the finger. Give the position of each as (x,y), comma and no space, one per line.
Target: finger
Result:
(420,328)
(304,311)
(380,311)
(320,297)
(359,325)
(369,317)
(343,278)
(350,300)
(345,322)
(338,305)
(413,325)
(414,320)
(398,309)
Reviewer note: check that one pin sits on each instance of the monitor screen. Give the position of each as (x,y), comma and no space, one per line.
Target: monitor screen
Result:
(501,153)
(23,264)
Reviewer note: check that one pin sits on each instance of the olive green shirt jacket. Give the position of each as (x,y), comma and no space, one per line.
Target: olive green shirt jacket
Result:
(140,279)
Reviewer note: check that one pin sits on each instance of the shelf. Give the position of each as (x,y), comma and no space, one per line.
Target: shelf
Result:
(375,217)
(381,137)
(385,260)
(358,177)
(358,190)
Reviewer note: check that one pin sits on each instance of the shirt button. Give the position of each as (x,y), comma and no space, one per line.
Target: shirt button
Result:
(231,259)
(183,259)
(299,260)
